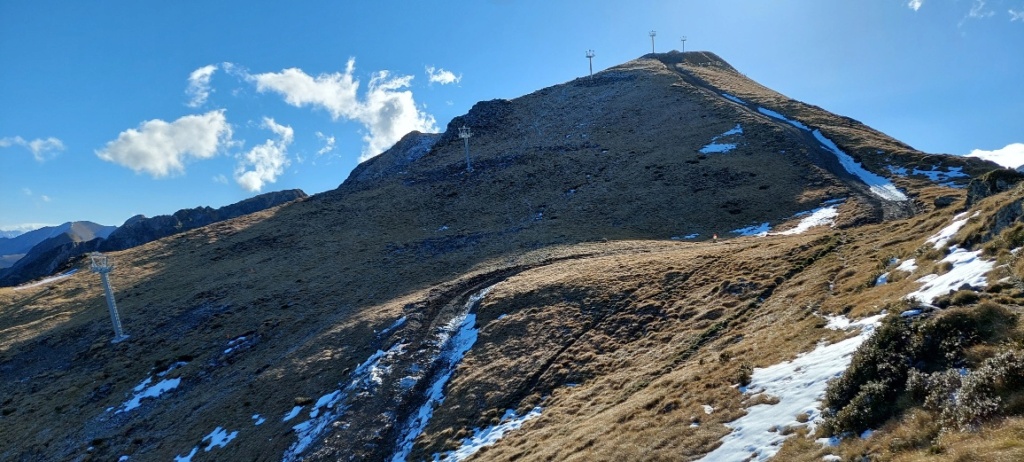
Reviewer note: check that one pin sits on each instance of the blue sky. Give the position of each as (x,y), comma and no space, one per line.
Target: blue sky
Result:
(116,108)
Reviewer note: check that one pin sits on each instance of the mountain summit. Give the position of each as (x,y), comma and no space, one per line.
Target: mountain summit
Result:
(630,259)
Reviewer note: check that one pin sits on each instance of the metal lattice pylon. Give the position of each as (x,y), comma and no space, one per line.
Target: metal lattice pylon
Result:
(102,266)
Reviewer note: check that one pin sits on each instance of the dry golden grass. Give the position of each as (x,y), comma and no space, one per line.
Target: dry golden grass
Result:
(621,334)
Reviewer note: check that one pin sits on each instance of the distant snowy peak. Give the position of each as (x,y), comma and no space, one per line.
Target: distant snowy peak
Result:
(1011,156)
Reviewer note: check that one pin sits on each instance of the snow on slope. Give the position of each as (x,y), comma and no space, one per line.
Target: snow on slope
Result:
(488,436)
(800,386)
(716,147)
(456,338)
(879,185)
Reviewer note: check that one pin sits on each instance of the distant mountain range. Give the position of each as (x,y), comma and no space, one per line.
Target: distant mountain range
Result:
(41,252)
(14,248)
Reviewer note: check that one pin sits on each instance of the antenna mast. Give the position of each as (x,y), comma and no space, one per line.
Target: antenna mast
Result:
(590,56)
(101,265)
(652,34)
(684,44)
(465,133)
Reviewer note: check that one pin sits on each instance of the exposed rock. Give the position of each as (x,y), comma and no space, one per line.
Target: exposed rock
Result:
(993,182)
(944,201)
(407,150)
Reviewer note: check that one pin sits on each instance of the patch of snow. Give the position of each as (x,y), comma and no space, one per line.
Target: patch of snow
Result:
(882,279)
(708,409)
(715,148)
(866,434)
(233,344)
(831,458)
(941,238)
(755,230)
(47,280)
(327,408)
(733,98)
(398,323)
(968,268)
(899,171)
(456,338)
(878,184)
(800,385)
(187,458)
(488,436)
(936,175)
(776,115)
(259,419)
(737,130)
(122,459)
(910,313)
(219,437)
(143,391)
(909,266)
(291,414)
(691,236)
(818,217)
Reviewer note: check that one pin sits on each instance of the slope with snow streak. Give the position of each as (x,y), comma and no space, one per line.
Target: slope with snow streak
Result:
(488,436)
(456,338)
(799,385)
(329,407)
(879,185)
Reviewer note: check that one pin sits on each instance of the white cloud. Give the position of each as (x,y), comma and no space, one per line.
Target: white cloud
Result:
(45,198)
(1016,15)
(199,85)
(328,143)
(41,149)
(267,161)
(161,148)
(220,178)
(1011,156)
(441,76)
(915,4)
(978,10)
(386,110)
(26,191)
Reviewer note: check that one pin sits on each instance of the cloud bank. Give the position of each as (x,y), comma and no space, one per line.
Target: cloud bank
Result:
(41,149)
(264,163)
(915,4)
(387,110)
(441,76)
(199,85)
(1011,156)
(161,148)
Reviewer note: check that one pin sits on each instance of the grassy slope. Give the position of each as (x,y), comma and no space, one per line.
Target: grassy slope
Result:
(650,329)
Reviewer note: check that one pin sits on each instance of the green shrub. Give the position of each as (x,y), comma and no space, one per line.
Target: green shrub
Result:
(862,396)
(921,363)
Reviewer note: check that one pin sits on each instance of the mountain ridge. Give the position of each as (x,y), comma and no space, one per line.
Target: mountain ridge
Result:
(419,304)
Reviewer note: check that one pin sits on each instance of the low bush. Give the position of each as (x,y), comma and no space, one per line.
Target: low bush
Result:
(925,363)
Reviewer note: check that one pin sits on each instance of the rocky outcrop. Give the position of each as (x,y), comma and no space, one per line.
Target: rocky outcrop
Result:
(992,183)
(407,150)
